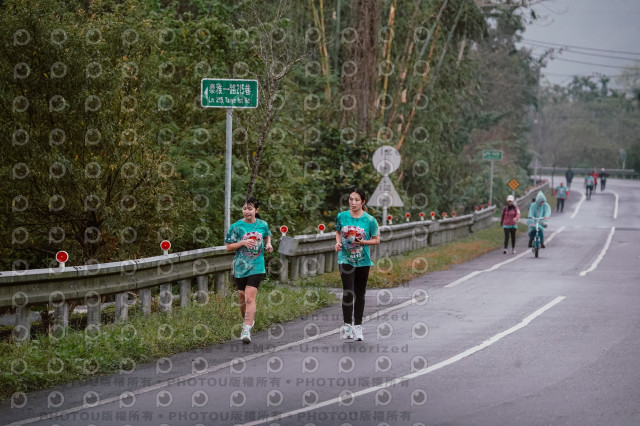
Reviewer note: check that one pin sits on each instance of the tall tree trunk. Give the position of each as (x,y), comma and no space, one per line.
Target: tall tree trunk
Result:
(318,21)
(359,80)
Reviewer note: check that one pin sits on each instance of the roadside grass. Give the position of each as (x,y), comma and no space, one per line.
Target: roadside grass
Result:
(397,270)
(47,361)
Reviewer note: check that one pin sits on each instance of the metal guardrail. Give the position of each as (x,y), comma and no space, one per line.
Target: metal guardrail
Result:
(89,283)
(300,256)
(310,255)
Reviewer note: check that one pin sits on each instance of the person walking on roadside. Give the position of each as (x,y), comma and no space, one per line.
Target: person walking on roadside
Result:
(603,179)
(588,184)
(594,173)
(538,209)
(509,221)
(561,192)
(569,176)
(249,237)
(356,230)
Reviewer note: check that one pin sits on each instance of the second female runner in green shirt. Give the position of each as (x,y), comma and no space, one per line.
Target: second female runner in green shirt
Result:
(356,230)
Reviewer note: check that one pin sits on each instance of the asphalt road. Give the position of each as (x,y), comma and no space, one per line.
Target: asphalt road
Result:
(501,340)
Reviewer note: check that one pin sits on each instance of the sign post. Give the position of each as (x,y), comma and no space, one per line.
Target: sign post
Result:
(491,154)
(386,159)
(229,94)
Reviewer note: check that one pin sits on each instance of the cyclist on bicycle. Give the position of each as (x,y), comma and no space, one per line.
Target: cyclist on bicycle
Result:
(539,208)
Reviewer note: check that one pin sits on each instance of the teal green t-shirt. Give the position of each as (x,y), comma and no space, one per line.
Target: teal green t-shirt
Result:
(561,192)
(351,228)
(248,261)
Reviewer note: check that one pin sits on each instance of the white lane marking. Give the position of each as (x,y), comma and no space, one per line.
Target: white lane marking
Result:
(594,265)
(498,265)
(582,198)
(434,367)
(615,209)
(416,299)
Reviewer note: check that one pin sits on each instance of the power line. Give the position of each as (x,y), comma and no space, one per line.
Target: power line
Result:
(580,75)
(582,47)
(590,63)
(570,50)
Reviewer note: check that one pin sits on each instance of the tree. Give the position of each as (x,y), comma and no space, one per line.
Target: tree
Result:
(278,53)
(84,170)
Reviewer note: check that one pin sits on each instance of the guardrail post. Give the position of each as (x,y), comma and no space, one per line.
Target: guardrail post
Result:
(328,262)
(165,298)
(185,292)
(203,289)
(295,268)
(284,269)
(220,287)
(93,303)
(22,331)
(311,265)
(61,314)
(145,301)
(122,306)
(304,272)
(320,259)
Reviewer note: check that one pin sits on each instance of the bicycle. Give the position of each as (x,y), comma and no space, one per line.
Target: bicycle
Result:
(537,243)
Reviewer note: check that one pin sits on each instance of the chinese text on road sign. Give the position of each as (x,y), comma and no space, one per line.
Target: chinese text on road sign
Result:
(229,93)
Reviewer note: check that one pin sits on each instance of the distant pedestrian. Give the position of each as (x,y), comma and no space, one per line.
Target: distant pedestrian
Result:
(569,176)
(249,237)
(588,185)
(603,179)
(356,230)
(594,173)
(509,221)
(561,192)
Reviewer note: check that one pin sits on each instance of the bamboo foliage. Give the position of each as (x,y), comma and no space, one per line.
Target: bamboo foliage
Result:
(408,49)
(386,53)
(318,20)
(424,78)
(446,45)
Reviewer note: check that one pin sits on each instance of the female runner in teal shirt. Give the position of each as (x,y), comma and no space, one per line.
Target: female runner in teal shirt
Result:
(355,231)
(249,237)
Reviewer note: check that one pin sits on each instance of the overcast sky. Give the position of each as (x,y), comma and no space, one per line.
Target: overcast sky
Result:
(583,26)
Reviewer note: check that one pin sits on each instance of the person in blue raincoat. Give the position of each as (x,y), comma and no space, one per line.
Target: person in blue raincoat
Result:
(539,208)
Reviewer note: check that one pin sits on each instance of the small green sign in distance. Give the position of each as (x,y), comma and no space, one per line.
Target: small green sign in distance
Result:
(491,154)
(229,93)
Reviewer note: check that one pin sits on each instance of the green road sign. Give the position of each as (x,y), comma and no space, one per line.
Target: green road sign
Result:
(491,154)
(229,93)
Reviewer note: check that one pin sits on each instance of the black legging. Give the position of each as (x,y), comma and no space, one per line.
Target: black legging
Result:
(354,281)
(509,232)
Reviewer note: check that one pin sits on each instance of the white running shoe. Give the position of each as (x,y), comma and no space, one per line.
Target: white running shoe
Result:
(513,251)
(357,333)
(347,331)
(246,333)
